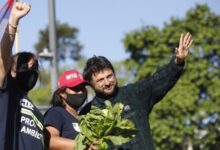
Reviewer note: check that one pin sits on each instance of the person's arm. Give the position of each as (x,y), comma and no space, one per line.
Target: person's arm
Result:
(164,79)
(59,143)
(19,10)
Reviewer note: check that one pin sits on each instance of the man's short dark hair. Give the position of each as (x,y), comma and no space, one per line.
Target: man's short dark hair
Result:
(96,64)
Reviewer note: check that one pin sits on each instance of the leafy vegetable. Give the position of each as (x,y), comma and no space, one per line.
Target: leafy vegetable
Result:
(105,126)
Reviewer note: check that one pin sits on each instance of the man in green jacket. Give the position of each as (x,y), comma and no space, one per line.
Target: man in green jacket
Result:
(138,98)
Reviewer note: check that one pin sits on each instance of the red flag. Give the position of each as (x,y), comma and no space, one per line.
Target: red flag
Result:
(5,10)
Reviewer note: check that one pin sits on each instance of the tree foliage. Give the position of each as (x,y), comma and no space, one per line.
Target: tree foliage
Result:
(189,114)
(68,47)
(41,95)
(67,42)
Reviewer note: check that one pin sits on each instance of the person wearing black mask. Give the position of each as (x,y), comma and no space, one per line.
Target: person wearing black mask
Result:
(21,126)
(60,120)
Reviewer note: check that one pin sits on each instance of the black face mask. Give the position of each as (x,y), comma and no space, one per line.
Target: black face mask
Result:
(26,80)
(76,100)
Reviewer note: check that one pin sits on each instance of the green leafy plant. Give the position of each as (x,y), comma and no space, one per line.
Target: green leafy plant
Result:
(106,126)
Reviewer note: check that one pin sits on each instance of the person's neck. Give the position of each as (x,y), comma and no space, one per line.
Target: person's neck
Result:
(72,111)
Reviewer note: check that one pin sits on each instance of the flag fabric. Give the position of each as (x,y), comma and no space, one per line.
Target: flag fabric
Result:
(5,9)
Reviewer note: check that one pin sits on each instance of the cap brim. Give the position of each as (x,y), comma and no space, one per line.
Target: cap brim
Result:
(77,83)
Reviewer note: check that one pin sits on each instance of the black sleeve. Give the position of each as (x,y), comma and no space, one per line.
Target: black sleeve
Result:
(53,118)
(163,80)
(85,109)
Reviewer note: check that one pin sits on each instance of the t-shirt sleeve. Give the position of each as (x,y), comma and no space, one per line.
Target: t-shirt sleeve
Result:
(53,118)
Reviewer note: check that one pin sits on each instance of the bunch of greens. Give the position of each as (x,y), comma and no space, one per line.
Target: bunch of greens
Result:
(105,126)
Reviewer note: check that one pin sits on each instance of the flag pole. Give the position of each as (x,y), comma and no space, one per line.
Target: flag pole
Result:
(17,39)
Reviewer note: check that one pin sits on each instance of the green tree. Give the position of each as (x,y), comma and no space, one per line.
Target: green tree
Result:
(68,47)
(67,42)
(41,95)
(188,116)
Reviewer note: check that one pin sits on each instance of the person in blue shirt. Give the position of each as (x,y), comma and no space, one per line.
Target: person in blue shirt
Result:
(61,119)
(21,126)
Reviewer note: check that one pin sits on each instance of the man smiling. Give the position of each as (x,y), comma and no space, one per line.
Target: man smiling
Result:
(138,98)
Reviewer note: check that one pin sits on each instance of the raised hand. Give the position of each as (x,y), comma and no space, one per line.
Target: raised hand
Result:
(183,50)
(18,11)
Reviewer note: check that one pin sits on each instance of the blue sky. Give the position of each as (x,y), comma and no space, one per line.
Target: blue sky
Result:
(104,23)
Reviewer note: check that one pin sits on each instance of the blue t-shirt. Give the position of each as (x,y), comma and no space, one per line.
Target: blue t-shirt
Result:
(63,121)
(21,126)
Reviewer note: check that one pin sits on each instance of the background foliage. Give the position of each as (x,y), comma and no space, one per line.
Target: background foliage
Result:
(68,46)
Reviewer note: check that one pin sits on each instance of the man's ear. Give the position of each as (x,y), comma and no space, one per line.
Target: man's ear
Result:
(92,84)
